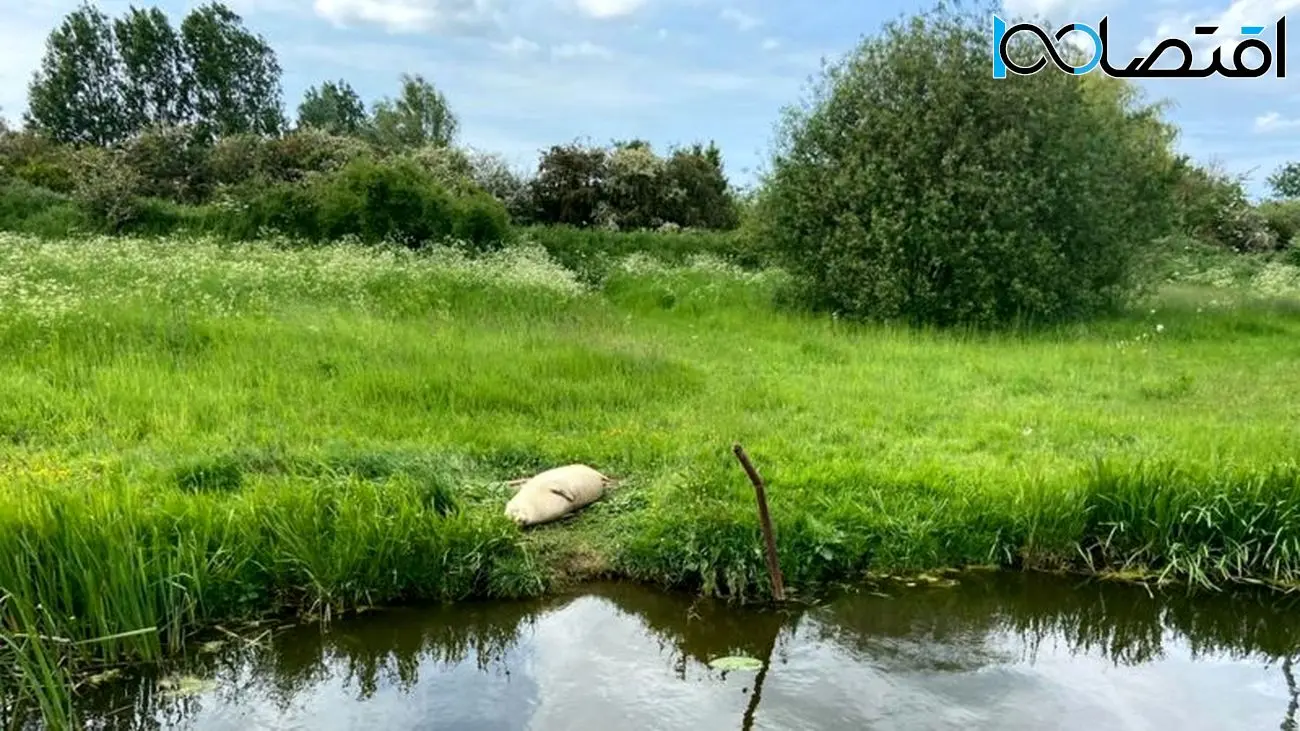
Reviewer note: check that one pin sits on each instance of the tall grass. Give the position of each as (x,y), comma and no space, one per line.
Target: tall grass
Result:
(193,432)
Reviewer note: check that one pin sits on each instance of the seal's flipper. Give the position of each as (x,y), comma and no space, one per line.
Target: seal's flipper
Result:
(562,493)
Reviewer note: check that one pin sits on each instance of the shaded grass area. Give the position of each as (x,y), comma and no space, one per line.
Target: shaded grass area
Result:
(191,434)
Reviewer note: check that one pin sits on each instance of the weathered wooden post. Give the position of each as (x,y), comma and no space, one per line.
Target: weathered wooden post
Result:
(765,522)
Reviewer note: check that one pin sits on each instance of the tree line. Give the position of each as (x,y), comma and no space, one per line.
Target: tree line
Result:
(193,114)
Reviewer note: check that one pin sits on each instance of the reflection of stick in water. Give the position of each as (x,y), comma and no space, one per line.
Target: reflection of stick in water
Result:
(756,695)
(1289,723)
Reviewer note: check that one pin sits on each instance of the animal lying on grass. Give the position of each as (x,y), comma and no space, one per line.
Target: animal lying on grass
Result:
(555,493)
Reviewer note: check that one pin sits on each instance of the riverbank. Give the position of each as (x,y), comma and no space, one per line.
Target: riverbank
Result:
(194,433)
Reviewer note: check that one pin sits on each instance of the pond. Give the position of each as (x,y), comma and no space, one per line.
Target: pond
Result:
(994,651)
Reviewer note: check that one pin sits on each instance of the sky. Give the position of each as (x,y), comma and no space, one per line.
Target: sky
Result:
(522,75)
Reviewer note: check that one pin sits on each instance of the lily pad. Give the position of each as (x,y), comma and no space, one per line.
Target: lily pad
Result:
(736,662)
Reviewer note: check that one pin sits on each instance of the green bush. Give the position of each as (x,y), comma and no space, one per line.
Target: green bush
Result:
(34,159)
(569,185)
(393,201)
(26,208)
(481,221)
(171,163)
(916,186)
(448,167)
(239,158)
(159,217)
(1212,206)
(1282,217)
(256,207)
(696,190)
(306,152)
(107,188)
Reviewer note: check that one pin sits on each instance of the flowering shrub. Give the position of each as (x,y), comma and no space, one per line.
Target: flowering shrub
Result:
(107,188)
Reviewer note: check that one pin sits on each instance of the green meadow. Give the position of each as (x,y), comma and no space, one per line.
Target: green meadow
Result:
(275,418)
(194,432)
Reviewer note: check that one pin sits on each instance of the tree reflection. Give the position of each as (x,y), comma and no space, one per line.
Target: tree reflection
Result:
(985,619)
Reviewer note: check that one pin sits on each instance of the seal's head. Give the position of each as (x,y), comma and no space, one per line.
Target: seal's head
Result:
(519,513)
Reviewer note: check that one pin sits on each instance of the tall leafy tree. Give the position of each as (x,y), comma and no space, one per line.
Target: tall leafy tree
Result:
(73,96)
(154,69)
(335,108)
(233,84)
(419,116)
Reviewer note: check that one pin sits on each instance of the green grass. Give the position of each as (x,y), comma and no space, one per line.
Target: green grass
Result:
(193,432)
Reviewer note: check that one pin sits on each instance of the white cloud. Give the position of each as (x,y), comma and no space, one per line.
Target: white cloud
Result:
(1058,11)
(742,20)
(1275,122)
(771,44)
(452,17)
(1229,21)
(609,8)
(585,49)
(517,46)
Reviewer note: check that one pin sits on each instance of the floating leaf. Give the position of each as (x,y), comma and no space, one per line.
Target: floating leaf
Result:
(104,677)
(736,662)
(187,685)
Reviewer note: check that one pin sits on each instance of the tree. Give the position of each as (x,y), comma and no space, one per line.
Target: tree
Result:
(1285,181)
(914,186)
(334,108)
(419,117)
(233,84)
(633,186)
(153,70)
(73,97)
(491,172)
(699,193)
(101,82)
(569,184)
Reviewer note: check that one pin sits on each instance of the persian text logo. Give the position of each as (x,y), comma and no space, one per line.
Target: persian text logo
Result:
(1142,66)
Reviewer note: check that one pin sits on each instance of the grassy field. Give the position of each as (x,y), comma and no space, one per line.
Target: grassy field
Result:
(193,432)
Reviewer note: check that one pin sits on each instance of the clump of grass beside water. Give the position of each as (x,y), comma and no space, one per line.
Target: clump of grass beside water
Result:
(196,432)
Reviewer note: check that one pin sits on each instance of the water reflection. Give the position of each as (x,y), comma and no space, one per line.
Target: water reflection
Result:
(998,651)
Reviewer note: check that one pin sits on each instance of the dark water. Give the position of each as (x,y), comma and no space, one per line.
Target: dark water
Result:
(996,651)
